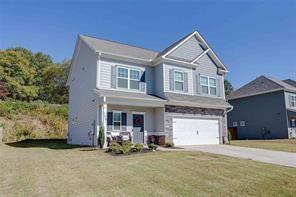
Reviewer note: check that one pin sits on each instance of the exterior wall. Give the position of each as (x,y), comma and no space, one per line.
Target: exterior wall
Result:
(82,107)
(189,71)
(188,51)
(266,111)
(206,67)
(192,112)
(158,77)
(149,116)
(106,75)
(159,119)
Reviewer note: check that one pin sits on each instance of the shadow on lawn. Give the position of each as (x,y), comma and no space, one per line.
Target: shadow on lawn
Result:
(56,144)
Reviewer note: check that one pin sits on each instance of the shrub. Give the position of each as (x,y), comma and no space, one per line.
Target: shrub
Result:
(152,146)
(101,137)
(115,148)
(169,144)
(126,147)
(138,147)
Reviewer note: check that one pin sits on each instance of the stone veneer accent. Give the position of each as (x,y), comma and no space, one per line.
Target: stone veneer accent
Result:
(184,111)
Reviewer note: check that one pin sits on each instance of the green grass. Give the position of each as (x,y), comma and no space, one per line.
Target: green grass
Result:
(52,168)
(279,145)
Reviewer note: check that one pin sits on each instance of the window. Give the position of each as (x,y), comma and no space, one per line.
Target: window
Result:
(234,124)
(116,121)
(135,79)
(122,78)
(242,123)
(208,85)
(128,78)
(179,80)
(293,101)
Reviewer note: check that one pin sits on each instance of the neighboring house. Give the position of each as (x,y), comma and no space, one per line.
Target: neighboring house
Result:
(176,94)
(265,108)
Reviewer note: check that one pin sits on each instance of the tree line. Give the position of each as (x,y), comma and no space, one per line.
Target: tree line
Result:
(28,76)
(31,76)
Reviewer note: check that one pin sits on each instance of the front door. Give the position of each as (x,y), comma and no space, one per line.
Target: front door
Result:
(138,128)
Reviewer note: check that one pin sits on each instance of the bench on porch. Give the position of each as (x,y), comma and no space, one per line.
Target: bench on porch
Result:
(136,137)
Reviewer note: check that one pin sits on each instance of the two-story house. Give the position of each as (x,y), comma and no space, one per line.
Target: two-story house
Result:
(265,108)
(177,93)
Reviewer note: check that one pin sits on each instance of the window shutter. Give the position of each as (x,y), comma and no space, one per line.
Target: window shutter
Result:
(171,79)
(290,100)
(198,87)
(123,121)
(185,82)
(142,81)
(113,76)
(109,121)
(219,87)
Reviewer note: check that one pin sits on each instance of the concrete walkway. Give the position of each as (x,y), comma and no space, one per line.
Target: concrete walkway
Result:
(267,156)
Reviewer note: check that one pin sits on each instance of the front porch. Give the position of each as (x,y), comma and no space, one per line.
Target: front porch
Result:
(126,117)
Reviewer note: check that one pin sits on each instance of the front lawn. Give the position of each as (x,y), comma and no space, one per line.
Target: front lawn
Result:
(279,145)
(52,168)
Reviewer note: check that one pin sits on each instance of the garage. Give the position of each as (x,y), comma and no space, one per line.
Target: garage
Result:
(193,131)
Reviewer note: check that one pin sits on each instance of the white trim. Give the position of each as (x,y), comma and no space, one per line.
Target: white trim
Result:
(208,85)
(128,78)
(120,127)
(98,76)
(139,113)
(179,71)
(200,56)
(125,56)
(181,62)
(177,46)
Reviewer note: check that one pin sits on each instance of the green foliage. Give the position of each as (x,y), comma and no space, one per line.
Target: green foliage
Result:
(29,76)
(126,147)
(115,148)
(169,144)
(228,87)
(101,137)
(138,147)
(23,120)
(152,146)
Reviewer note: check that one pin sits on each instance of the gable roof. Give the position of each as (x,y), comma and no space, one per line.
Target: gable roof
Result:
(261,85)
(113,47)
(116,48)
(290,82)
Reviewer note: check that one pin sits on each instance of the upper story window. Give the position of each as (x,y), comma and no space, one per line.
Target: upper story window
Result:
(293,101)
(179,80)
(208,85)
(128,78)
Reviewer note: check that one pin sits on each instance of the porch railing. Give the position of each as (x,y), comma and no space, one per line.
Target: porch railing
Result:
(139,137)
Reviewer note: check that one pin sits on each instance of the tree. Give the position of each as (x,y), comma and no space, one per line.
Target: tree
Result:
(228,87)
(18,74)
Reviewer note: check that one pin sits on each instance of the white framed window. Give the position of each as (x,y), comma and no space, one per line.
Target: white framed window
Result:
(128,78)
(208,85)
(242,123)
(122,77)
(116,121)
(234,124)
(179,80)
(293,101)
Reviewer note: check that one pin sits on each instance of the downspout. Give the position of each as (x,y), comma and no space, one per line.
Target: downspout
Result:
(227,111)
(225,138)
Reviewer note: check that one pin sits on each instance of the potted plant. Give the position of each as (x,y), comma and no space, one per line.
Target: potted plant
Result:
(101,137)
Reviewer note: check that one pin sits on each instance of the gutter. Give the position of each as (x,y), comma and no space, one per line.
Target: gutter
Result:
(227,111)
(125,56)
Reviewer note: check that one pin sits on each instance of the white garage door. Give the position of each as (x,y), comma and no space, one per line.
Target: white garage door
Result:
(189,131)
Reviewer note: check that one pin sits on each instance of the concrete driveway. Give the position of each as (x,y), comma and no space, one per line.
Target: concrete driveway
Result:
(267,156)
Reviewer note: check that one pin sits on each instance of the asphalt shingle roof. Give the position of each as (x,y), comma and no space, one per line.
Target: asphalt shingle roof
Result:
(261,85)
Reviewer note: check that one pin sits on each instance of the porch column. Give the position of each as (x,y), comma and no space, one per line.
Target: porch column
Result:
(104,119)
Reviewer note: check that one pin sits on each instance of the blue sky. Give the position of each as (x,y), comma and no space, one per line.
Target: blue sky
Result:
(251,37)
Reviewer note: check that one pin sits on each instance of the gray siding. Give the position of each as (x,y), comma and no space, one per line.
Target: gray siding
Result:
(158,77)
(188,51)
(105,73)
(262,111)
(82,108)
